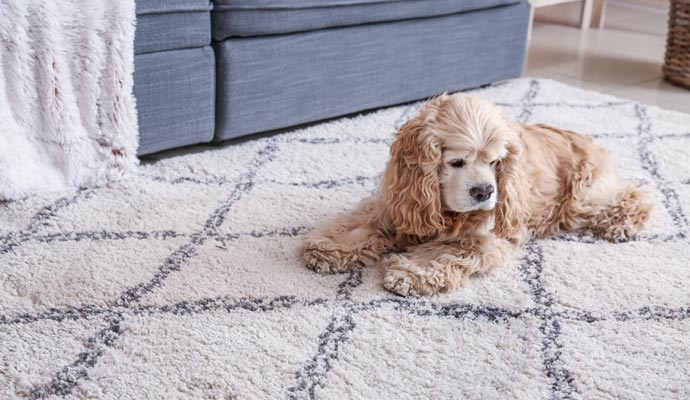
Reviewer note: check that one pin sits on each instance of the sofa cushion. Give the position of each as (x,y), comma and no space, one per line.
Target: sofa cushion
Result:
(266,17)
(272,82)
(175,93)
(172,24)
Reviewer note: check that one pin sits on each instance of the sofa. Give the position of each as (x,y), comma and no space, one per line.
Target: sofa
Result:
(233,68)
(174,74)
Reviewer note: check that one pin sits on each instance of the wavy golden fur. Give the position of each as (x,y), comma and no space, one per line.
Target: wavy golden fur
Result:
(465,187)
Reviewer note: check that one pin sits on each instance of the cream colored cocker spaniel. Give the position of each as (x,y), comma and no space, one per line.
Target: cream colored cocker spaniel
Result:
(465,187)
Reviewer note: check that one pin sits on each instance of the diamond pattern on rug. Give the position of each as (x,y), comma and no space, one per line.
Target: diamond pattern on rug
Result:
(325,162)
(141,204)
(605,278)
(186,281)
(595,120)
(668,123)
(296,206)
(31,353)
(207,355)
(626,157)
(204,167)
(90,270)
(391,345)
(262,267)
(17,215)
(673,161)
(604,354)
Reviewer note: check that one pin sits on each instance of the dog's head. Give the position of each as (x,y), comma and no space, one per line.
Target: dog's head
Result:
(460,154)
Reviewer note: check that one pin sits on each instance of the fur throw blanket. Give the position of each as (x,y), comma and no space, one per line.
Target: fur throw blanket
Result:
(67,111)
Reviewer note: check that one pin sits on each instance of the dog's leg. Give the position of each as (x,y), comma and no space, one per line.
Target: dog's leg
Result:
(347,241)
(603,204)
(439,267)
(622,217)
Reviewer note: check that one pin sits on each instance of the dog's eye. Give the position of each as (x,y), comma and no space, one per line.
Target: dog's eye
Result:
(457,163)
(493,162)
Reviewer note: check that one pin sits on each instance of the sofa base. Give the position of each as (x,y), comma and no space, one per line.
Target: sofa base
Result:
(175,93)
(273,82)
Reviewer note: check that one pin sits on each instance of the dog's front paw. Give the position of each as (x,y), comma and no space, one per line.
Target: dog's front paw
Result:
(400,282)
(320,261)
(326,260)
(405,278)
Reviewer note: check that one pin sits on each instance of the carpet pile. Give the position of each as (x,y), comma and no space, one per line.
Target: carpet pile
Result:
(186,280)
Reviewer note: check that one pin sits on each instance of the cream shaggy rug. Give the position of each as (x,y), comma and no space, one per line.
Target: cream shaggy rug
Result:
(186,281)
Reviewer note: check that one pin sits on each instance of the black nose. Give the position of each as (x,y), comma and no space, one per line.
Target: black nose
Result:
(482,192)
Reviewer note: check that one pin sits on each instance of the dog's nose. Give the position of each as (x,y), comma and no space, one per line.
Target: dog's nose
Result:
(482,192)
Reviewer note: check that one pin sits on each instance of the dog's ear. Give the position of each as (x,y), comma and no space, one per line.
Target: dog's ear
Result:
(511,210)
(411,183)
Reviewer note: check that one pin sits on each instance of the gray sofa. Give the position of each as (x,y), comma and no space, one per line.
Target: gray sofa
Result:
(280,63)
(174,73)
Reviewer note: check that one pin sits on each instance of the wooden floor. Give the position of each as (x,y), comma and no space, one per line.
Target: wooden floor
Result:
(624,59)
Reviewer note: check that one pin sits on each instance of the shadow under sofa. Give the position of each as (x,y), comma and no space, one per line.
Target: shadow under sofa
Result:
(282,63)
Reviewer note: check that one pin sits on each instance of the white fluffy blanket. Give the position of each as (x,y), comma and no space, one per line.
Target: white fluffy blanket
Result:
(67,111)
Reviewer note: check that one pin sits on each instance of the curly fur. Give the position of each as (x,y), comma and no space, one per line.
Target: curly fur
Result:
(548,181)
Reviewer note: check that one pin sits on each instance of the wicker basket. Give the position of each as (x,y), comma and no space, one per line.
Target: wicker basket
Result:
(677,64)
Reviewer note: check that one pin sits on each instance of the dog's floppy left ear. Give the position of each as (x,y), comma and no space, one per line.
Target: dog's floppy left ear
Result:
(511,210)
(411,184)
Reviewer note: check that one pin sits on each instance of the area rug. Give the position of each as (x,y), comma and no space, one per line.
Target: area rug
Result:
(186,281)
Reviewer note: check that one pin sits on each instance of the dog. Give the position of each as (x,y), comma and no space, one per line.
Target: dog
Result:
(465,187)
